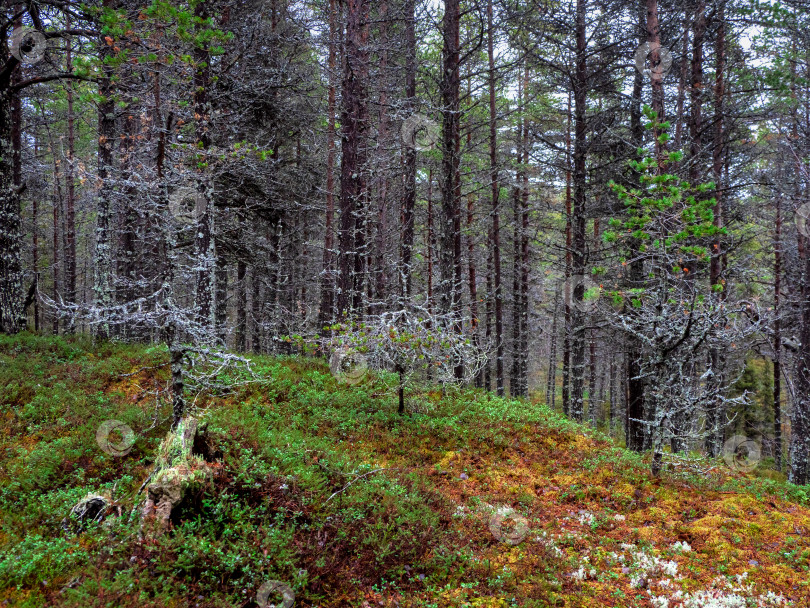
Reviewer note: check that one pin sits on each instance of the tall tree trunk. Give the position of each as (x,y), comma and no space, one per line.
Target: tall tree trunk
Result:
(635,431)
(594,402)
(103,275)
(476,339)
(16,151)
(515,388)
(58,272)
(450,250)
(127,257)
(163,240)
(777,337)
(515,380)
(221,299)
(718,414)
(409,178)
(566,370)
(489,312)
(682,76)
(380,271)
(327,310)
(578,319)
(656,75)
(496,221)
(430,244)
(12,316)
(551,387)
(800,414)
(241,306)
(255,310)
(353,187)
(204,242)
(70,214)
(696,94)
(523,347)
(35,243)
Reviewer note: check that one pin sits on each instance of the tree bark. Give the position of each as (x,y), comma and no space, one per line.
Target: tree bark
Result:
(474,320)
(70,214)
(551,387)
(12,317)
(718,413)
(353,186)
(103,275)
(409,178)
(800,414)
(777,337)
(635,431)
(204,242)
(450,250)
(578,319)
(327,310)
(566,370)
(241,306)
(496,221)
(58,273)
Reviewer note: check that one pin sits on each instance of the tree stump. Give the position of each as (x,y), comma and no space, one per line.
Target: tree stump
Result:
(180,470)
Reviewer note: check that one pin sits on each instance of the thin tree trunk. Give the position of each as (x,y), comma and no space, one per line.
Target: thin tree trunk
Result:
(103,275)
(476,339)
(515,385)
(241,305)
(551,387)
(777,337)
(696,94)
(16,148)
(255,311)
(566,371)
(594,402)
(578,319)
(450,250)
(523,347)
(204,243)
(380,270)
(430,237)
(496,225)
(35,242)
(682,76)
(800,414)
(489,314)
(715,265)
(635,431)
(409,179)
(70,215)
(58,274)
(327,310)
(221,299)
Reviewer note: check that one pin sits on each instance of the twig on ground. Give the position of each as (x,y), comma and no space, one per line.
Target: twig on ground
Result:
(356,479)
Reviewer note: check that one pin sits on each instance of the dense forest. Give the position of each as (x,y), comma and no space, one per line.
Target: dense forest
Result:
(601,205)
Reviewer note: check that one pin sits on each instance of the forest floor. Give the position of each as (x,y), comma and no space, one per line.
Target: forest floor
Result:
(467,500)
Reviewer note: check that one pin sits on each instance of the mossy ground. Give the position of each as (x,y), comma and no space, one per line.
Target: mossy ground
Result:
(325,488)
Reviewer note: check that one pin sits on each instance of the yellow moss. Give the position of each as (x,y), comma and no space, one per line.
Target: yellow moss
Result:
(444,463)
(623,489)
(486,602)
(563,480)
(583,443)
(656,514)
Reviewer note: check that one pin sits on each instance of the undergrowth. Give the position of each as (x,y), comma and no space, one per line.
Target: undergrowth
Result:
(325,488)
